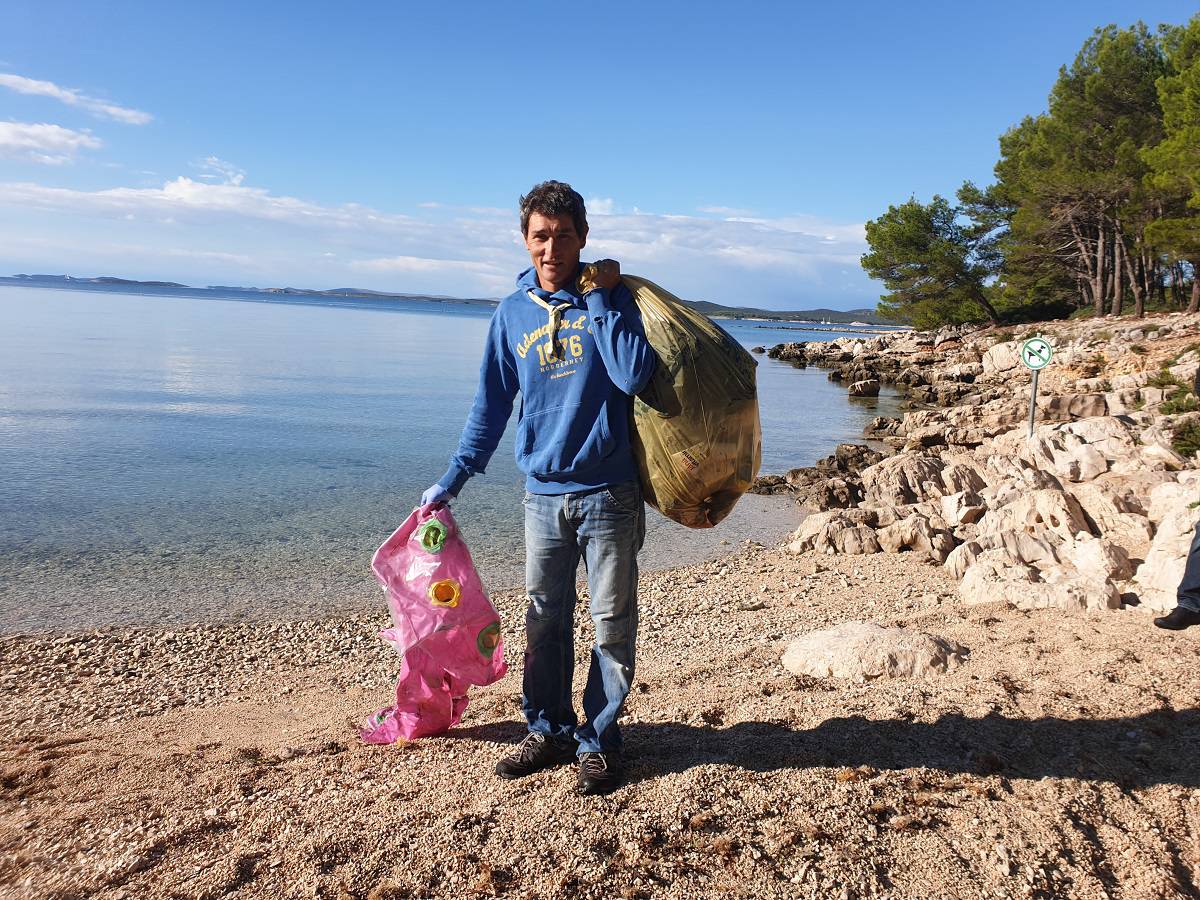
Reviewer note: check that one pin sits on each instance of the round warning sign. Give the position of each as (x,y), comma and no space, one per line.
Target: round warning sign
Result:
(1036,353)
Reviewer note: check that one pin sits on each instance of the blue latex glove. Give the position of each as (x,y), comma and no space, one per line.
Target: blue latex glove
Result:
(436,494)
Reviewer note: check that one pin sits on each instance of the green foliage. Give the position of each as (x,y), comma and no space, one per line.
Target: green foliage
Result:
(1163,379)
(1003,337)
(1180,401)
(1174,162)
(1139,349)
(929,261)
(1185,438)
(1095,204)
(1104,335)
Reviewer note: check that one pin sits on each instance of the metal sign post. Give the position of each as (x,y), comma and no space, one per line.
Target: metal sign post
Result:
(1035,353)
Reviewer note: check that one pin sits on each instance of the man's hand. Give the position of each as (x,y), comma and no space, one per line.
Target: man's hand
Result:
(608,274)
(436,494)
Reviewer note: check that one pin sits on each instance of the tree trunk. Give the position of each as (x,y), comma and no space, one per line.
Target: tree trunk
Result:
(1139,294)
(1118,280)
(1098,275)
(1146,268)
(981,298)
(1194,305)
(1083,275)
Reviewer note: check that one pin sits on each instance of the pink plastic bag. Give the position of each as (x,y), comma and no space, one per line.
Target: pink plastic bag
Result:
(442,623)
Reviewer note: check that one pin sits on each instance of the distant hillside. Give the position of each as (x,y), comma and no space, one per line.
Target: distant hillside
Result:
(832,316)
(103,279)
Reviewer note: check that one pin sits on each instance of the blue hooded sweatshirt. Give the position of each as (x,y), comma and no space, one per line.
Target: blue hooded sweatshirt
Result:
(576,393)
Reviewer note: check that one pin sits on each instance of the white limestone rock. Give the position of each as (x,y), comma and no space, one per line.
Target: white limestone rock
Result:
(920,534)
(1029,511)
(903,479)
(1001,358)
(864,651)
(1114,510)
(846,531)
(995,576)
(1172,510)
(962,508)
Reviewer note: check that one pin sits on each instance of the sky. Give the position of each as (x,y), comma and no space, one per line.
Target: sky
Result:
(729,152)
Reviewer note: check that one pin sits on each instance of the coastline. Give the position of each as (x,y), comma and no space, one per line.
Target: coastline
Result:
(170,590)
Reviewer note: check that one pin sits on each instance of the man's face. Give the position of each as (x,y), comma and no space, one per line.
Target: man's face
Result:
(554,246)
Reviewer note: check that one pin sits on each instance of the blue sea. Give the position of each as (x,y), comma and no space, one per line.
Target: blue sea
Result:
(171,459)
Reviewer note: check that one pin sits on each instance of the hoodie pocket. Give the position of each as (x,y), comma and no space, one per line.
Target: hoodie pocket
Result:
(561,441)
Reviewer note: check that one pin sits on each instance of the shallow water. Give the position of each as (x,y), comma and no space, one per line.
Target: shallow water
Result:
(167,459)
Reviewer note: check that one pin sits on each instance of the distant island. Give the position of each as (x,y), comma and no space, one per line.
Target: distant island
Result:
(365,297)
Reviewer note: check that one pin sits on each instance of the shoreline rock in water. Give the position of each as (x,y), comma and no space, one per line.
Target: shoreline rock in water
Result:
(1095,509)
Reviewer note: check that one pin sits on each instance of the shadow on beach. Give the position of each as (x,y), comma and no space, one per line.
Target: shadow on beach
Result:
(1157,748)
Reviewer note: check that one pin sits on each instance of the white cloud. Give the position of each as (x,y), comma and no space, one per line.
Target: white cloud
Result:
(725,211)
(72,97)
(601,206)
(422,264)
(183,196)
(785,262)
(220,170)
(42,143)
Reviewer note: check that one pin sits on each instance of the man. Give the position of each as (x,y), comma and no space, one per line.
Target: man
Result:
(577,361)
(1187,599)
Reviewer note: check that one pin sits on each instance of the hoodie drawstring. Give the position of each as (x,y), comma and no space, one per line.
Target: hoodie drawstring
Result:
(553,320)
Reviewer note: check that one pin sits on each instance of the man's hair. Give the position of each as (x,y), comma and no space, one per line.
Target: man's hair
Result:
(554,198)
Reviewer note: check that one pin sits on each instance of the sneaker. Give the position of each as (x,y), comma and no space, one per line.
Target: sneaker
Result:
(1178,619)
(599,773)
(534,753)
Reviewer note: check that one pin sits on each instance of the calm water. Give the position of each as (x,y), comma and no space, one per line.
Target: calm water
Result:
(172,459)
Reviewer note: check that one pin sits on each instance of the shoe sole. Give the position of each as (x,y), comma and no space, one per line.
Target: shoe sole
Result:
(513,776)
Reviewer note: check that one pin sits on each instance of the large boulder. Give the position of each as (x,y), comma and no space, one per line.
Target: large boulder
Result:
(1114,510)
(1175,510)
(958,477)
(1031,511)
(962,508)
(914,478)
(902,479)
(1072,406)
(1097,559)
(864,651)
(1020,548)
(848,531)
(1001,358)
(868,387)
(1155,452)
(995,576)
(1077,451)
(930,537)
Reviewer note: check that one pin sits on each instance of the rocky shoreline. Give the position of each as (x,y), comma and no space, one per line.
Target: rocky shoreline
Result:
(1094,510)
(939,686)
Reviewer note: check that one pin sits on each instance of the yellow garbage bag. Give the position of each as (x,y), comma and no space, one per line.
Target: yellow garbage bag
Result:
(696,433)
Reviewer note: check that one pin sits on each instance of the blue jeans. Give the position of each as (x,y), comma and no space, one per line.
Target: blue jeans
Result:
(1188,595)
(606,528)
